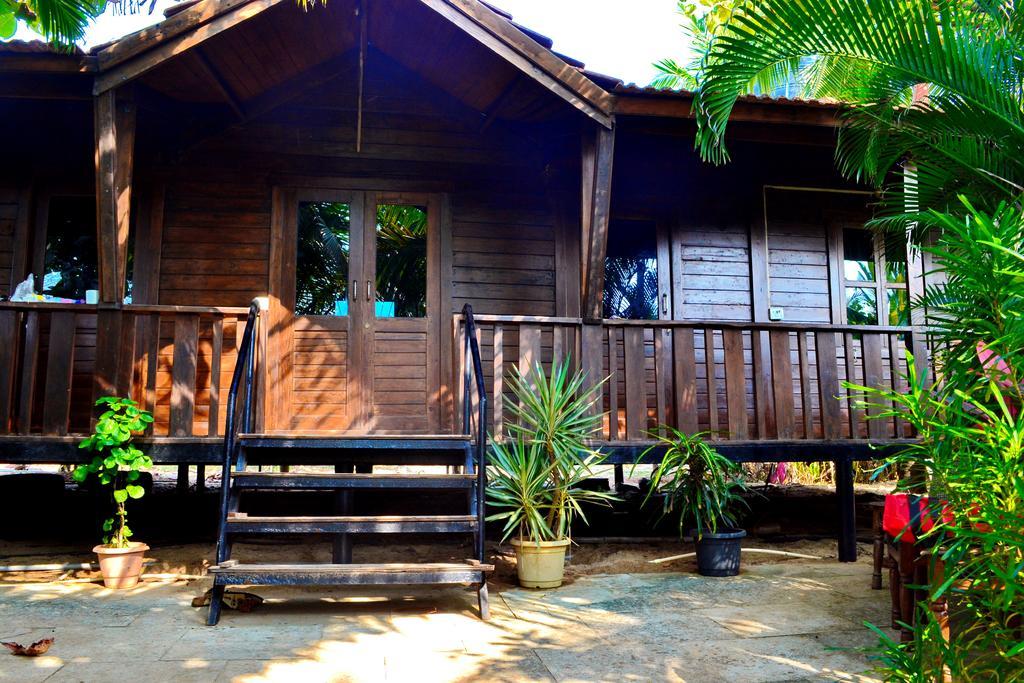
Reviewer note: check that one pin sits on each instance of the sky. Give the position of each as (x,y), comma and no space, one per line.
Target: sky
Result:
(621,38)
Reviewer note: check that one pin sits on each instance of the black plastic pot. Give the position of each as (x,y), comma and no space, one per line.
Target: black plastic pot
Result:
(719,554)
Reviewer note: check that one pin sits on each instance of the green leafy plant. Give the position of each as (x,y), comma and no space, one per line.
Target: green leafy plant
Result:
(62,22)
(969,453)
(535,475)
(698,483)
(117,462)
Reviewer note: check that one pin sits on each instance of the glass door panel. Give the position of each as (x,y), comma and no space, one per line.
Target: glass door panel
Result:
(403,318)
(401,261)
(324,378)
(323,253)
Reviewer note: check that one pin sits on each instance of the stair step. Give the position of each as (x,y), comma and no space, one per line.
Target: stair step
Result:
(317,480)
(321,440)
(231,573)
(319,448)
(381,524)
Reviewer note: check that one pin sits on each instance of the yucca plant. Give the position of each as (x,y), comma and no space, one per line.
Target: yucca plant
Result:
(697,483)
(535,474)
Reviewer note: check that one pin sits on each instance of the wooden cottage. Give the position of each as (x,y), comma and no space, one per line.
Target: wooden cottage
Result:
(367,168)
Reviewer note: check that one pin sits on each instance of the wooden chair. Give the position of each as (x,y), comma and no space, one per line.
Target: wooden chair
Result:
(881,559)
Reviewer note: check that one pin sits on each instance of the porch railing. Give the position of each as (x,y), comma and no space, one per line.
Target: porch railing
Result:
(56,359)
(736,381)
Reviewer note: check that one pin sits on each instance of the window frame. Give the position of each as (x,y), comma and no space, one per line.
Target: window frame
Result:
(880,285)
(663,246)
(41,226)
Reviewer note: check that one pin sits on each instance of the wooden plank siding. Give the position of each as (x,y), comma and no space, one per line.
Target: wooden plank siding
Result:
(500,233)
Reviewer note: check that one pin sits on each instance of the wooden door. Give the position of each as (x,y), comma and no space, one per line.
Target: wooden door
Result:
(314,359)
(402,326)
(355,312)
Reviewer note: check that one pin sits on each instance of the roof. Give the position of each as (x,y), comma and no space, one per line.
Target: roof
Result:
(634,89)
(186,23)
(36,47)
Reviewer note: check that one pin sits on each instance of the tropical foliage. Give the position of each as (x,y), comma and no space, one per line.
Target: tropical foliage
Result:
(117,462)
(536,474)
(969,454)
(934,92)
(61,22)
(702,20)
(697,483)
(935,121)
(322,255)
(402,258)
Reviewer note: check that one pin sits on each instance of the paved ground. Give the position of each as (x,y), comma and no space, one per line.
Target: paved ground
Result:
(790,621)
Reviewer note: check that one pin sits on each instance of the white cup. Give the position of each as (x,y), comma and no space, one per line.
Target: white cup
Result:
(92,296)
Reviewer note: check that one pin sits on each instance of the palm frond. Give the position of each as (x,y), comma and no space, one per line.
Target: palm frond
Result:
(966,134)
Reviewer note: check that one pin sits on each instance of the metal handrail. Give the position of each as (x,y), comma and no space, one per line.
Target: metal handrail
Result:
(474,374)
(244,371)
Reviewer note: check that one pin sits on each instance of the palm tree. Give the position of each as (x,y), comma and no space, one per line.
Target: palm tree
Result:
(60,22)
(701,22)
(934,92)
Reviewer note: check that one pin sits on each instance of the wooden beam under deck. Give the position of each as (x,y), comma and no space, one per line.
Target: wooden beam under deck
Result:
(18,449)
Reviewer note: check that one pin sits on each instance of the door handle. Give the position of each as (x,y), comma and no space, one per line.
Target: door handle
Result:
(369,292)
(664,304)
(355,291)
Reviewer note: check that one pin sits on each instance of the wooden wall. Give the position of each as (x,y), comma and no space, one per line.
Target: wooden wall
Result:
(214,232)
(216,243)
(218,201)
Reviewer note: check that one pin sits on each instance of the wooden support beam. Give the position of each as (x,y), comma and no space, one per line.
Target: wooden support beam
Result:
(146,59)
(597,155)
(494,107)
(115,149)
(499,35)
(363,11)
(217,79)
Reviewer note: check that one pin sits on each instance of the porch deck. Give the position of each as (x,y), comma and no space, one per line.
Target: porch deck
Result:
(762,392)
(759,390)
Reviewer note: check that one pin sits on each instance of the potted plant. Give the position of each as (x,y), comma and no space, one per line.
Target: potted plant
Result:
(536,474)
(117,464)
(700,485)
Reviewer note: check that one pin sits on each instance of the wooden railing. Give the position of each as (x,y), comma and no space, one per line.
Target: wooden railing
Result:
(56,359)
(735,381)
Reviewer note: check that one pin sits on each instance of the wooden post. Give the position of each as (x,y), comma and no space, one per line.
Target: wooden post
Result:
(591,340)
(114,125)
(916,281)
(847,510)
(597,154)
(115,149)
(764,394)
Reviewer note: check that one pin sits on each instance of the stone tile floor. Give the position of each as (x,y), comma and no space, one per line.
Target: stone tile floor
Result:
(791,621)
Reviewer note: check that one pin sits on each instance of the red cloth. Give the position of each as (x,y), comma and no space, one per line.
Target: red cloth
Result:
(907,517)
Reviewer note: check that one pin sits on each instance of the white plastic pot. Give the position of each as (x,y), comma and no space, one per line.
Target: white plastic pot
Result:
(540,564)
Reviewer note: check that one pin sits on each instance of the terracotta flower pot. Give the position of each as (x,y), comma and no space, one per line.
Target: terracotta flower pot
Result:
(540,564)
(121,567)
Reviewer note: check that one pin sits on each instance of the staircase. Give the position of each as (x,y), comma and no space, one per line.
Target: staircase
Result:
(353,458)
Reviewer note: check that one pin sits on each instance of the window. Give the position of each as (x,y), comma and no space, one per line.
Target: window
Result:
(325,264)
(401,279)
(874,279)
(322,259)
(69,258)
(631,271)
